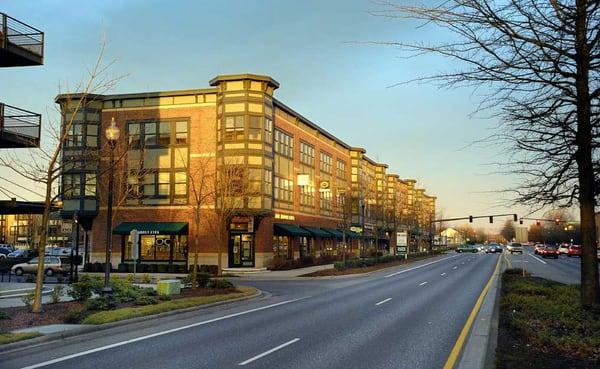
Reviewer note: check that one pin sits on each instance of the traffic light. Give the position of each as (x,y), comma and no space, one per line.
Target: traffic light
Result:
(521,221)
(491,219)
(537,222)
(470,219)
(515,218)
(557,221)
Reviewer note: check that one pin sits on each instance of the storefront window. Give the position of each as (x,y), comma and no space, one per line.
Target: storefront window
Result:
(304,249)
(158,248)
(180,248)
(280,246)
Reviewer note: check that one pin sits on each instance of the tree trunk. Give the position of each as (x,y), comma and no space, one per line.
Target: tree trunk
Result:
(36,307)
(590,287)
(196,244)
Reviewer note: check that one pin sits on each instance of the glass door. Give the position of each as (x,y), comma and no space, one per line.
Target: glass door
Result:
(241,250)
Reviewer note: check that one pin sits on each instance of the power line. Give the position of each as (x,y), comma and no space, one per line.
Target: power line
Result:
(20,186)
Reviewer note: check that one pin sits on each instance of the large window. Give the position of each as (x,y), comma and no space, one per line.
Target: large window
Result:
(284,189)
(325,202)
(234,128)
(157,162)
(284,144)
(159,248)
(325,164)
(281,245)
(268,130)
(254,128)
(341,169)
(83,131)
(307,154)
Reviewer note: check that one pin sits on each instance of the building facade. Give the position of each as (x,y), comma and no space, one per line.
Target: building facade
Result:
(265,181)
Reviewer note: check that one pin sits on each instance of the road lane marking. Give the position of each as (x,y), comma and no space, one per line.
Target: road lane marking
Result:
(269,351)
(455,267)
(422,284)
(383,301)
(463,263)
(454,354)
(419,266)
(443,274)
(157,334)
(538,259)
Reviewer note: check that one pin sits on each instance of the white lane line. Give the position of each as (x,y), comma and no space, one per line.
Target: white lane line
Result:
(383,301)
(455,267)
(422,284)
(443,274)
(420,266)
(463,263)
(122,343)
(269,351)
(538,259)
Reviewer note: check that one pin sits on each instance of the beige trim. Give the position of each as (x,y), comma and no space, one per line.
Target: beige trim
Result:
(204,155)
(159,107)
(287,211)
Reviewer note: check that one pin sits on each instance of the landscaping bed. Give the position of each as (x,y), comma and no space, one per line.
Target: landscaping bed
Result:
(127,301)
(542,326)
(359,266)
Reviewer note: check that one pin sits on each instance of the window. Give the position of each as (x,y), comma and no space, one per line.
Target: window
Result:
(307,154)
(90,184)
(268,182)
(284,144)
(71,185)
(180,183)
(181,132)
(341,169)
(234,128)
(307,196)
(150,134)
(284,189)
(268,130)
(75,135)
(325,203)
(91,138)
(133,134)
(164,133)
(325,163)
(254,128)
(281,246)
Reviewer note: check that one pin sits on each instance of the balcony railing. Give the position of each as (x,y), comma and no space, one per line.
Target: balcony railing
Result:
(19,128)
(20,44)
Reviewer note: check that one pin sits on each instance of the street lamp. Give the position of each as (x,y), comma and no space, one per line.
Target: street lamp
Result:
(112,133)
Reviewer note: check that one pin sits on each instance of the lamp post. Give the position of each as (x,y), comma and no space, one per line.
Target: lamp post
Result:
(112,135)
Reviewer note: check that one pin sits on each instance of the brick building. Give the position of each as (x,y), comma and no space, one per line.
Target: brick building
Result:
(302,189)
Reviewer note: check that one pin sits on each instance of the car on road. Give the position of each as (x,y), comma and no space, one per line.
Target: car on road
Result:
(549,251)
(514,247)
(563,248)
(466,248)
(52,265)
(537,248)
(493,248)
(574,250)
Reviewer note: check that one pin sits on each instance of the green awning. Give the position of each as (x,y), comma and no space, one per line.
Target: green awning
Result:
(282,229)
(318,232)
(352,234)
(335,232)
(152,227)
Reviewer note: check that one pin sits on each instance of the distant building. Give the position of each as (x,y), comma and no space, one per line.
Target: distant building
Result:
(453,236)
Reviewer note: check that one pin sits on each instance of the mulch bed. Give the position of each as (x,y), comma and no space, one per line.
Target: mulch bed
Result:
(372,268)
(22,317)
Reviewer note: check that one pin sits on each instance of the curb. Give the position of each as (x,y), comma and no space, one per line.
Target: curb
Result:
(480,348)
(38,341)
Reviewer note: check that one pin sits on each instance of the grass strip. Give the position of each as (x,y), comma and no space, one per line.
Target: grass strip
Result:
(542,325)
(14,337)
(109,316)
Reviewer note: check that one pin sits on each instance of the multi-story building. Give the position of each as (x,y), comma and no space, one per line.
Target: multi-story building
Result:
(298,190)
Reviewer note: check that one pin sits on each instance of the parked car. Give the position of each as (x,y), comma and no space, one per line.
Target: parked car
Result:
(550,251)
(23,253)
(563,248)
(514,247)
(52,265)
(58,251)
(493,249)
(5,249)
(537,248)
(466,248)
(574,250)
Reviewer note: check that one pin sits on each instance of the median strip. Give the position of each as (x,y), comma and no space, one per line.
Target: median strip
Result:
(269,351)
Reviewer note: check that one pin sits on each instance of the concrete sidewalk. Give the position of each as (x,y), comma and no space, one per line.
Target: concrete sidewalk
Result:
(283,274)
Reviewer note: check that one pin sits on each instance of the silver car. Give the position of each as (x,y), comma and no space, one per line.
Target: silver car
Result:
(52,265)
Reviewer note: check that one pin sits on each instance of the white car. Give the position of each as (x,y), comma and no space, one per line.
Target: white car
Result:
(563,249)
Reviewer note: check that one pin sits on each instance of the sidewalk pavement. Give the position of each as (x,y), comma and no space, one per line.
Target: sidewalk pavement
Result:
(14,300)
(284,274)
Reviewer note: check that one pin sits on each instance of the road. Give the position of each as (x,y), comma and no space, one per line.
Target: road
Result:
(564,269)
(403,317)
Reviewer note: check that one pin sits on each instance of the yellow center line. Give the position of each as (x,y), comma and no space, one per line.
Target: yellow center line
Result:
(454,354)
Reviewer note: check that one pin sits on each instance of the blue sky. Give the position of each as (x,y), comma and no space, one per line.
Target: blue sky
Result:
(313,49)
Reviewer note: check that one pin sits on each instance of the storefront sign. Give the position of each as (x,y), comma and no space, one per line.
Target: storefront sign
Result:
(401,239)
(356,229)
(251,225)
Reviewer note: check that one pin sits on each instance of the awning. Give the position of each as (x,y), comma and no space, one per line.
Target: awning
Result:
(352,234)
(152,227)
(335,232)
(282,229)
(318,232)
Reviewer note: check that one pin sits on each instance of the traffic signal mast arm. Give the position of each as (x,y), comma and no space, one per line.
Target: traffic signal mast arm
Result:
(471,217)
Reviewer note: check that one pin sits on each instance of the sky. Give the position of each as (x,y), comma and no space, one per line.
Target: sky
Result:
(319,52)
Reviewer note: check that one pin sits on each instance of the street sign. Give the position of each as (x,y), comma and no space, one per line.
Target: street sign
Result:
(401,239)
(134,243)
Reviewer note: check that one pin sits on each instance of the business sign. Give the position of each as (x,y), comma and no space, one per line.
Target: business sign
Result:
(401,243)
(324,186)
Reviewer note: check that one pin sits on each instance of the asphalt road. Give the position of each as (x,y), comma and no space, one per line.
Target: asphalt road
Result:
(564,269)
(404,317)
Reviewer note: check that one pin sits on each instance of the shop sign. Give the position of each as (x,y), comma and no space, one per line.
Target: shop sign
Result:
(356,229)
(324,186)
(251,225)
(401,239)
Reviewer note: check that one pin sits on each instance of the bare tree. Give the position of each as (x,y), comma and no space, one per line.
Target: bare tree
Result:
(538,63)
(508,230)
(45,165)
(233,189)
